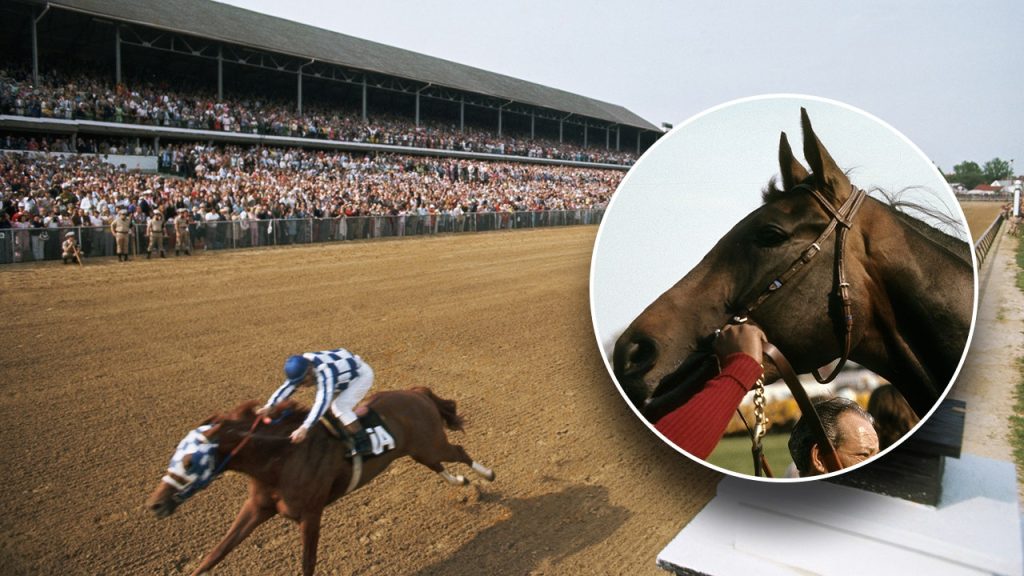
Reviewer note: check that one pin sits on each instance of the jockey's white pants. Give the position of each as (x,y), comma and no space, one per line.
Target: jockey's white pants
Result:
(343,404)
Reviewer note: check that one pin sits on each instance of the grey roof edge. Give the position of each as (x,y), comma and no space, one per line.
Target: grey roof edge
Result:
(349,51)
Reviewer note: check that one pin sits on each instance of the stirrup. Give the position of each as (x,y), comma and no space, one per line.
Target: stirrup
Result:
(361,444)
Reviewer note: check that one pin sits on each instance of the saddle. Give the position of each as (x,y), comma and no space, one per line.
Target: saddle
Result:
(380,437)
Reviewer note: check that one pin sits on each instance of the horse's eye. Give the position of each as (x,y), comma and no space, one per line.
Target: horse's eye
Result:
(770,236)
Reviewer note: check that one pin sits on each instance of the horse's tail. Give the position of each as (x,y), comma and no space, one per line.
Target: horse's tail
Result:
(445,407)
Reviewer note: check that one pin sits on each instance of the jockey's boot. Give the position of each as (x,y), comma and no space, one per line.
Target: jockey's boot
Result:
(149,255)
(361,440)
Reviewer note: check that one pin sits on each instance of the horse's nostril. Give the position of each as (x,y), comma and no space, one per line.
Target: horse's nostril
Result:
(638,356)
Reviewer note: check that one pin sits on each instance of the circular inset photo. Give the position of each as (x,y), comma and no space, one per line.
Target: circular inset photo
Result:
(784,287)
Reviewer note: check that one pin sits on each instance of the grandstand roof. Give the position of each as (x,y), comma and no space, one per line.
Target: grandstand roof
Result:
(247,28)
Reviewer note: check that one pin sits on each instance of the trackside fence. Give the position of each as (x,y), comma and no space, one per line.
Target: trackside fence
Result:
(36,244)
(982,246)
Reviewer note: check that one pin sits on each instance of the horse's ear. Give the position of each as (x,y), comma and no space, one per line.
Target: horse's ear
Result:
(832,182)
(793,172)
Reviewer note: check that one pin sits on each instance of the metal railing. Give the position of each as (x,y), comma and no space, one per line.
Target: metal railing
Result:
(36,244)
(982,246)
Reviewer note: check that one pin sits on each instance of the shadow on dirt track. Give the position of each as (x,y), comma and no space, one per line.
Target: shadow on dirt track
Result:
(539,532)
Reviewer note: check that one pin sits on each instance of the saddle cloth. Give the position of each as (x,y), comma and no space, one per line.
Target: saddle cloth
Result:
(380,437)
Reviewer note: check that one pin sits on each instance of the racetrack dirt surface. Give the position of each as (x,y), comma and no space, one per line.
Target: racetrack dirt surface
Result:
(106,367)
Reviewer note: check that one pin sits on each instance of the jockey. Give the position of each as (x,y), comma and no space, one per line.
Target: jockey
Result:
(341,378)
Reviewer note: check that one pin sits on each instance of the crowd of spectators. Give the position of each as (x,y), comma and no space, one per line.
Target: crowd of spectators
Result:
(84,96)
(82,145)
(214,183)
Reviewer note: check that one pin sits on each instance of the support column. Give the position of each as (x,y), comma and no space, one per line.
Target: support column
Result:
(560,131)
(607,137)
(364,98)
(220,73)
(417,108)
(35,45)
(462,115)
(499,122)
(585,134)
(35,53)
(117,54)
(638,135)
(533,125)
(300,91)
(618,132)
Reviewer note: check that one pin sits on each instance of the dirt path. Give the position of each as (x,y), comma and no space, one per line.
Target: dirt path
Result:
(105,368)
(990,373)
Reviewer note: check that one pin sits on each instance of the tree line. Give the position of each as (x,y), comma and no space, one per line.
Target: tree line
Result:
(970,174)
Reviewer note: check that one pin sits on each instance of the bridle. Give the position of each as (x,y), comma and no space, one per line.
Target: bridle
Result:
(840,223)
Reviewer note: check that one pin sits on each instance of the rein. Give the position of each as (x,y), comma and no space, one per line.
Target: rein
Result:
(840,223)
(199,485)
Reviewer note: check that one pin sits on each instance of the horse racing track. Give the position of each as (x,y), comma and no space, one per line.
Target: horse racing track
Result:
(107,366)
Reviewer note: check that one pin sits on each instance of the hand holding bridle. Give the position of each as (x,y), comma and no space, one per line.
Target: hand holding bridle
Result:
(746,338)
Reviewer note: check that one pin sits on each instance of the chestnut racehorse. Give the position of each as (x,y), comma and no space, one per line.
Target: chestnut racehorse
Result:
(909,292)
(299,480)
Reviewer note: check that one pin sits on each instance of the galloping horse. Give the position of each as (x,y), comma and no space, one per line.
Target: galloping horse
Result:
(299,480)
(886,290)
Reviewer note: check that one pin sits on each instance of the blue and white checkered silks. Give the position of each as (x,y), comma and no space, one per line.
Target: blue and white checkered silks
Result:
(201,467)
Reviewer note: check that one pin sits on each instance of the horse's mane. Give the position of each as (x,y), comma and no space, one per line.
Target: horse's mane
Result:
(288,412)
(900,208)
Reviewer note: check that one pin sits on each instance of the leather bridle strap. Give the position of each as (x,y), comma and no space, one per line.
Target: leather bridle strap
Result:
(840,222)
(828,452)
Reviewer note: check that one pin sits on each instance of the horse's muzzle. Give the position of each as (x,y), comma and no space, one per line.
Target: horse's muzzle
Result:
(163,508)
(634,356)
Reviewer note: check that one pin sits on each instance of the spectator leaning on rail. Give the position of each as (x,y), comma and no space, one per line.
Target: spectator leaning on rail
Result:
(341,379)
(847,426)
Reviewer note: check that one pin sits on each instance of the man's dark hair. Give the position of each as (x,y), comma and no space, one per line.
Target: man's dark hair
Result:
(803,439)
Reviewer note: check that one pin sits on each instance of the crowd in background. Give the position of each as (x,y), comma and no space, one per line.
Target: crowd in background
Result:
(233,183)
(85,96)
(32,142)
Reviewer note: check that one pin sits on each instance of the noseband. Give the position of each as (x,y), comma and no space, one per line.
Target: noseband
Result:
(840,223)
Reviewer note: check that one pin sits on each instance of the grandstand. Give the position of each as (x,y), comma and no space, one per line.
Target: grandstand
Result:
(265,132)
(312,82)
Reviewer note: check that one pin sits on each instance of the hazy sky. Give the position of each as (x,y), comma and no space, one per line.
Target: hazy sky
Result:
(948,74)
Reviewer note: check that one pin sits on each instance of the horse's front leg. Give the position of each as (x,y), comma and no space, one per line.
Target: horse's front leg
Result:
(249,517)
(310,527)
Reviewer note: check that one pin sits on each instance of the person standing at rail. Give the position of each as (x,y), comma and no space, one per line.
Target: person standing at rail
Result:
(121,227)
(155,231)
(182,240)
(341,378)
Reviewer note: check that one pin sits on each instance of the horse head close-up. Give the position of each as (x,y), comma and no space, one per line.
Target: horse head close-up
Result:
(828,273)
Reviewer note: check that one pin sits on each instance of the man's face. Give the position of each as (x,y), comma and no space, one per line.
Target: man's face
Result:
(857,442)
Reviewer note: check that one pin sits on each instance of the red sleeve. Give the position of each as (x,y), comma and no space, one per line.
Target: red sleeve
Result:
(698,425)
